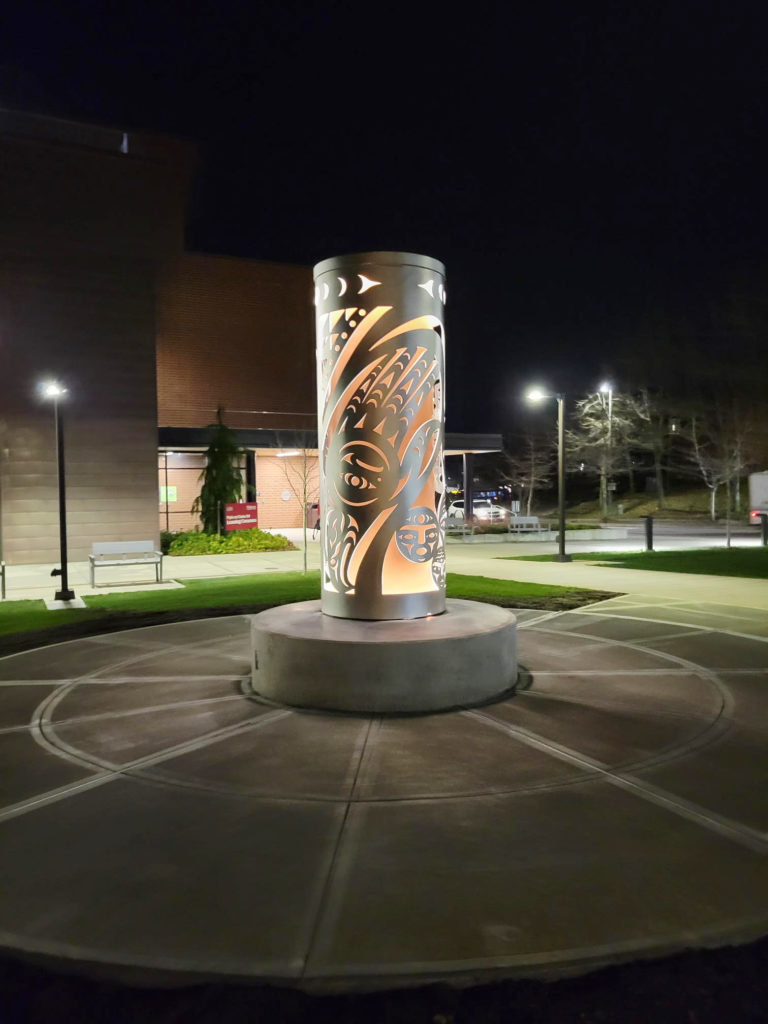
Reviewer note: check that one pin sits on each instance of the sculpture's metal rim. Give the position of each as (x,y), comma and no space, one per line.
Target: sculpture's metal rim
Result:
(395,259)
(384,607)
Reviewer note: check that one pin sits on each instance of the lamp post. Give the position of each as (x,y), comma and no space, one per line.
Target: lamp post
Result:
(537,395)
(606,388)
(56,391)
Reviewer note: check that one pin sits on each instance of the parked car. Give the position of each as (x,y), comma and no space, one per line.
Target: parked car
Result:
(483,509)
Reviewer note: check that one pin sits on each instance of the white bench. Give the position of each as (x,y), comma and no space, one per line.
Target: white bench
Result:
(523,524)
(126,552)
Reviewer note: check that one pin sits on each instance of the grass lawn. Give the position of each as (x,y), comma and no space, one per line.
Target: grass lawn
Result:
(511,594)
(692,502)
(751,562)
(24,623)
(260,591)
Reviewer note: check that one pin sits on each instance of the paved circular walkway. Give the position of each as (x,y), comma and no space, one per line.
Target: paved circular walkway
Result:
(156,819)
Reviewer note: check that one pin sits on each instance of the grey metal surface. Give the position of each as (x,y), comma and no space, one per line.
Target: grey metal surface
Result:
(159,823)
(371,260)
(380,373)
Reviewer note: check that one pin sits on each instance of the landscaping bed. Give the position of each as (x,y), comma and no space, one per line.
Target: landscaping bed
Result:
(193,542)
(696,987)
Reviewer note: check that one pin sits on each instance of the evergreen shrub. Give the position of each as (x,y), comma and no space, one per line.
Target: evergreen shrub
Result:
(167,538)
(194,543)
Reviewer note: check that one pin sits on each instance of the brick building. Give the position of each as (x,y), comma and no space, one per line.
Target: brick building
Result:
(97,291)
(236,334)
(88,216)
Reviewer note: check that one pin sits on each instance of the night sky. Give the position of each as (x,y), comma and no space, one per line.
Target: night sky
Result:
(595,180)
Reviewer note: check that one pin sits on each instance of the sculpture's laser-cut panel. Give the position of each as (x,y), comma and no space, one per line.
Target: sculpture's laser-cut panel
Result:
(380,368)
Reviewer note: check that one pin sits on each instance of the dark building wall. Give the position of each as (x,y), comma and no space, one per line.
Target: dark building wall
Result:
(67,192)
(238,334)
(83,232)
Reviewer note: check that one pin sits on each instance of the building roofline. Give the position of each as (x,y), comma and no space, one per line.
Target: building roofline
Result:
(253,260)
(22,124)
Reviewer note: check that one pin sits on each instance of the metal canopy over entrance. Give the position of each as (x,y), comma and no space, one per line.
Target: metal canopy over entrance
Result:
(196,438)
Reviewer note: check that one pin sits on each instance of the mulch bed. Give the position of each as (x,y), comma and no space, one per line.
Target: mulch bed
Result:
(703,987)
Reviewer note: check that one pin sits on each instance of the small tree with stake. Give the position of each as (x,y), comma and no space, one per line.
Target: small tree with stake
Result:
(301,474)
(222,479)
(531,468)
(718,458)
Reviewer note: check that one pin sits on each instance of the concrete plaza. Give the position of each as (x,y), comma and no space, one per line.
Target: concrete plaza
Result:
(160,824)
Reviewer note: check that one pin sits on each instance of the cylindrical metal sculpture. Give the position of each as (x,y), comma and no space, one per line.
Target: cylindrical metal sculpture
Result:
(380,357)
(380,365)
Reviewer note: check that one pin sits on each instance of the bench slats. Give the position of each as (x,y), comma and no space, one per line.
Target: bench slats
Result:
(125,552)
(524,523)
(125,559)
(123,547)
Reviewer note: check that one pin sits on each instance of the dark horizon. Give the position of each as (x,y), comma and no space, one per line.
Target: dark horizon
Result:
(594,182)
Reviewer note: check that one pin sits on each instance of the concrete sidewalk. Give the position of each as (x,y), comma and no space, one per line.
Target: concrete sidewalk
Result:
(488,560)
(30,582)
(494,560)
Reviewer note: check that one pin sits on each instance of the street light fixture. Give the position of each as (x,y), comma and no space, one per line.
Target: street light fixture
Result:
(536,395)
(54,391)
(606,388)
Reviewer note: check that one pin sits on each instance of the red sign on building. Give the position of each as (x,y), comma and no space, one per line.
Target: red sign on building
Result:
(242,515)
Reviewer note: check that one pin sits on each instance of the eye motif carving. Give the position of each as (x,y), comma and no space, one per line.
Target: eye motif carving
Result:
(364,474)
(358,483)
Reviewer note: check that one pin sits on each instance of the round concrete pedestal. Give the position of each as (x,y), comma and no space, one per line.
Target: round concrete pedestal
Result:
(306,659)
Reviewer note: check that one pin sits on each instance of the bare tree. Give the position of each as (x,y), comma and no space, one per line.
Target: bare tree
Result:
(717,455)
(531,468)
(605,428)
(655,427)
(302,477)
